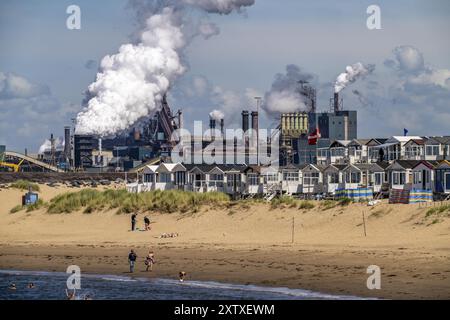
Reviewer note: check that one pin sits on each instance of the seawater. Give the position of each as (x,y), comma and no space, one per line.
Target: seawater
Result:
(51,286)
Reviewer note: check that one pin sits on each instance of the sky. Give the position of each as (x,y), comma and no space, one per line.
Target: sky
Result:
(45,68)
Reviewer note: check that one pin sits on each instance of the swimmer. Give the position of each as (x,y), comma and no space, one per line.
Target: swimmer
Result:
(181,276)
(70,295)
(12,286)
(31,285)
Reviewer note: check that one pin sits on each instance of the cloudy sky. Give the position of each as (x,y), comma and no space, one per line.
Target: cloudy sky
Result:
(45,69)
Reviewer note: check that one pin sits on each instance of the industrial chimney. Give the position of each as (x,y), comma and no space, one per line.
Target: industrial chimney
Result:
(245,121)
(222,129)
(212,123)
(255,140)
(67,148)
(336,102)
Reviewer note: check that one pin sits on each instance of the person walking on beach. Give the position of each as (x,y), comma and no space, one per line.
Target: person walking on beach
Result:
(132,259)
(147,223)
(150,260)
(133,221)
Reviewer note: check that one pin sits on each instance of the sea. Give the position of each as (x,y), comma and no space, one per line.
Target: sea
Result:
(52,286)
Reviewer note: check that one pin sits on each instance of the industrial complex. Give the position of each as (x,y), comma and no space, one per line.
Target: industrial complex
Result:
(318,153)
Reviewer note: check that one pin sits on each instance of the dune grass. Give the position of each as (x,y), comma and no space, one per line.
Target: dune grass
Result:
(164,201)
(328,204)
(289,202)
(442,211)
(25,185)
(31,207)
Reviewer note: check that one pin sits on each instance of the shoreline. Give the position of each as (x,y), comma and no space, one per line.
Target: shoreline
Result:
(321,271)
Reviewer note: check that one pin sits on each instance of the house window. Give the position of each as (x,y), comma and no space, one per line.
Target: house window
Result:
(432,150)
(333,177)
(290,176)
(353,177)
(271,178)
(417,177)
(148,177)
(311,178)
(378,178)
(252,179)
(164,177)
(398,178)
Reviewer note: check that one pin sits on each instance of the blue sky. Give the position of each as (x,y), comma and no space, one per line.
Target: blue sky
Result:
(321,37)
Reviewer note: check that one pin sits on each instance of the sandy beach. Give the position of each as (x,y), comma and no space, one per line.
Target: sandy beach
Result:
(243,244)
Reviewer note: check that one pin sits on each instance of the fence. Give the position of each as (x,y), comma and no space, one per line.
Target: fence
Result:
(419,195)
(399,196)
(360,194)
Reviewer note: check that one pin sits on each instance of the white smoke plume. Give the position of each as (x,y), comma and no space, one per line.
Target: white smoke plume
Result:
(131,83)
(351,74)
(284,95)
(47,145)
(217,115)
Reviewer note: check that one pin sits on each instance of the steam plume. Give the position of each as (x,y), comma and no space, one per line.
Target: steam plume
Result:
(217,115)
(132,82)
(351,74)
(284,95)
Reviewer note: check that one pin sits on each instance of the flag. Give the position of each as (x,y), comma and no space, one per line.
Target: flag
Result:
(405,131)
(314,136)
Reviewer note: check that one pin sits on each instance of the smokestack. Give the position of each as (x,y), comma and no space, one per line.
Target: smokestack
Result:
(212,123)
(67,143)
(222,130)
(336,102)
(255,141)
(180,119)
(245,121)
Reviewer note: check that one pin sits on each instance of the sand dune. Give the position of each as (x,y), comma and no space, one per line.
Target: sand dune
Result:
(246,244)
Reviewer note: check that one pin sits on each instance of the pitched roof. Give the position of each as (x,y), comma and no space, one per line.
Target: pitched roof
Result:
(407,164)
(430,164)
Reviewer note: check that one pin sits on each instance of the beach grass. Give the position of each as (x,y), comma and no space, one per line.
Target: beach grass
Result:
(442,210)
(289,202)
(25,185)
(163,201)
(31,207)
(345,202)
(328,204)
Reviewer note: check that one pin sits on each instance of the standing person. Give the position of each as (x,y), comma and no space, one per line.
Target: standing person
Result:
(150,260)
(133,221)
(132,259)
(147,223)
(181,276)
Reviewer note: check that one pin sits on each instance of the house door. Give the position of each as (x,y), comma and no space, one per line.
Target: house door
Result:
(447,182)
(424,179)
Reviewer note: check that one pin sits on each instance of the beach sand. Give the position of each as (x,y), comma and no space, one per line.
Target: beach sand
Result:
(243,244)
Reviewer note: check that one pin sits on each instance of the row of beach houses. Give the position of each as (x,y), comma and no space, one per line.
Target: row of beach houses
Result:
(378,165)
(308,179)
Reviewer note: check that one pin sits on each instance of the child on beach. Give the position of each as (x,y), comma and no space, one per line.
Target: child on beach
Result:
(150,260)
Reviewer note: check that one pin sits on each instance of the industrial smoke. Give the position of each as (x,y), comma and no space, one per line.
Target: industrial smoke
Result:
(131,83)
(284,95)
(351,74)
(216,115)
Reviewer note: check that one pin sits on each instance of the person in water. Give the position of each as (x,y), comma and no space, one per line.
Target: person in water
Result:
(181,276)
(30,285)
(12,286)
(70,295)
(132,259)
(150,260)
